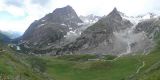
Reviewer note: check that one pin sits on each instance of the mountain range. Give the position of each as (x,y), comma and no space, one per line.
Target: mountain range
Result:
(63,32)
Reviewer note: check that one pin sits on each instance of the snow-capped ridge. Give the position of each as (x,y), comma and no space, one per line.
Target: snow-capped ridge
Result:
(139,18)
(90,19)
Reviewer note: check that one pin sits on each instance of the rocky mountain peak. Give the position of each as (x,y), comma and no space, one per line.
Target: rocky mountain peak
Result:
(115,14)
(115,10)
(63,15)
(63,11)
(52,29)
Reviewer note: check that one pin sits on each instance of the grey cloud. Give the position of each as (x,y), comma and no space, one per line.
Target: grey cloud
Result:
(17,3)
(40,2)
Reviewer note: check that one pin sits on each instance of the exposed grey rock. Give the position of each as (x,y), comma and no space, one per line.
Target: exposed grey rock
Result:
(99,38)
(62,32)
(112,35)
(151,27)
(50,30)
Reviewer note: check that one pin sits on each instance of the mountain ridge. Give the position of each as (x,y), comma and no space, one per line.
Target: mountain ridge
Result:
(111,34)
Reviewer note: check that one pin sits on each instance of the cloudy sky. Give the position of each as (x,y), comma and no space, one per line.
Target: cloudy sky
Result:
(17,15)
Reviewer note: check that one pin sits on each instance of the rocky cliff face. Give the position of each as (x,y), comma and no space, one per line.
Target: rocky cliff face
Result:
(151,27)
(51,29)
(100,38)
(116,35)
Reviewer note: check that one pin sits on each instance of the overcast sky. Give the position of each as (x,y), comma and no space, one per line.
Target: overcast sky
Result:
(17,15)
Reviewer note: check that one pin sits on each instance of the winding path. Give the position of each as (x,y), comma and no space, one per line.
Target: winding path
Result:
(113,59)
(143,64)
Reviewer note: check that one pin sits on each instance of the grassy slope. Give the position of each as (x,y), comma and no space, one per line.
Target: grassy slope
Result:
(151,70)
(62,69)
(13,66)
(76,67)
(124,68)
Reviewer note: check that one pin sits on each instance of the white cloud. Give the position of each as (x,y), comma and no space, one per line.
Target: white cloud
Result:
(13,25)
(34,12)
(12,9)
(15,11)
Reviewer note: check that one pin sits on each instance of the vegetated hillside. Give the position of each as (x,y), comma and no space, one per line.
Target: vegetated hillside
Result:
(151,68)
(15,66)
(61,68)
(129,67)
(19,66)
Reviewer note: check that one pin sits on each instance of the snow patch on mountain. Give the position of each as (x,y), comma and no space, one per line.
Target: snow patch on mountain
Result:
(133,41)
(40,25)
(63,24)
(90,18)
(87,21)
(139,18)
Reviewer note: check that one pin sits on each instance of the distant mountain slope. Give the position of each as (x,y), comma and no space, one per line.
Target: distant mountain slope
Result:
(12,34)
(4,38)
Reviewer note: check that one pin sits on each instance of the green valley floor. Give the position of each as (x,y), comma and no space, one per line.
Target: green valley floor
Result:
(19,66)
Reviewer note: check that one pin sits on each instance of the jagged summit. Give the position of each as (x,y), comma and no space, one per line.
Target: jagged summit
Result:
(64,10)
(115,14)
(63,15)
(115,9)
